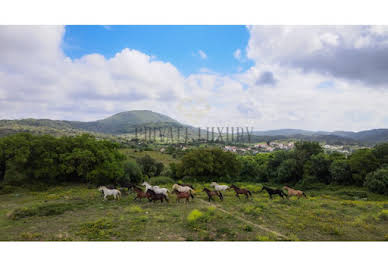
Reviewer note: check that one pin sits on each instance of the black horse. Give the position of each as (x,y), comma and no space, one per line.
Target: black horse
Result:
(152,196)
(272,191)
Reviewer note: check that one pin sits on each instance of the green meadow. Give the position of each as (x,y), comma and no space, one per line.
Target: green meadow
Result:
(78,213)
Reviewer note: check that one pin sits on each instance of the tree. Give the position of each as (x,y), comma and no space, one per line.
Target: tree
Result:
(320,167)
(207,164)
(380,151)
(149,166)
(341,172)
(361,163)
(288,172)
(377,181)
(132,174)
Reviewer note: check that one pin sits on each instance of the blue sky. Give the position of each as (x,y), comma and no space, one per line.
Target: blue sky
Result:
(179,45)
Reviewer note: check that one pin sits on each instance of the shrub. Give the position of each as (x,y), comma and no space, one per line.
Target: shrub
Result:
(97,230)
(378,181)
(43,210)
(135,209)
(161,180)
(383,215)
(194,216)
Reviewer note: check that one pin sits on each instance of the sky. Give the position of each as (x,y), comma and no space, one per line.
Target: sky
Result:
(265,77)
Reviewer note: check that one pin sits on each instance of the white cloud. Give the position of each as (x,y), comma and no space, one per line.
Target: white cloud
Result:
(237,54)
(202,54)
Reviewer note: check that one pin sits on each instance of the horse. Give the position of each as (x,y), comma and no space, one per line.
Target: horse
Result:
(238,191)
(211,193)
(110,192)
(140,194)
(182,195)
(153,196)
(180,188)
(156,189)
(272,191)
(219,187)
(294,192)
(186,185)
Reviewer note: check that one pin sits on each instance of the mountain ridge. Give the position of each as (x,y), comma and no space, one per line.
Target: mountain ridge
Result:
(126,122)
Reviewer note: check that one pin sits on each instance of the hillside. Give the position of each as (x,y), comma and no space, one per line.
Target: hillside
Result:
(121,123)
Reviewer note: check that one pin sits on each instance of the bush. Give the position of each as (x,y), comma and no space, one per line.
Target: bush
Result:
(378,181)
(132,174)
(383,215)
(43,210)
(194,216)
(161,180)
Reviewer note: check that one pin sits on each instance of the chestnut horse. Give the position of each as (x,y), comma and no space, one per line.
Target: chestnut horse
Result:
(140,194)
(294,192)
(238,191)
(182,195)
(210,194)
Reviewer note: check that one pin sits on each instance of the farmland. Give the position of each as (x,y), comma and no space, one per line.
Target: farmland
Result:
(78,213)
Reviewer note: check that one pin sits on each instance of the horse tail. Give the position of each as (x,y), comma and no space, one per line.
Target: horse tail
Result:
(191,195)
(304,195)
(250,194)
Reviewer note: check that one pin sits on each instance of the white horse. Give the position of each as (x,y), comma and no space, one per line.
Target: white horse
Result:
(219,187)
(182,188)
(156,189)
(110,192)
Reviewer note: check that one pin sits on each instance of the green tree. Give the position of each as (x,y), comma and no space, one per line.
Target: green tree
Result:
(148,165)
(288,172)
(377,181)
(320,167)
(207,164)
(132,174)
(381,153)
(361,163)
(341,172)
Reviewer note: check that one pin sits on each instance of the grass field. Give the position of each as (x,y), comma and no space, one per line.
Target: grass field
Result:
(79,213)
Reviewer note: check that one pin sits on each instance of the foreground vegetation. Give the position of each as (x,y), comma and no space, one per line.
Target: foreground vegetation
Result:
(77,212)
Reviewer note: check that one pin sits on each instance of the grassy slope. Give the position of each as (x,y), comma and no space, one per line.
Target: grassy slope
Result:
(82,215)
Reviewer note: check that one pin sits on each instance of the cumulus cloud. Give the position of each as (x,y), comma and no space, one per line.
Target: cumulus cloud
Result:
(356,53)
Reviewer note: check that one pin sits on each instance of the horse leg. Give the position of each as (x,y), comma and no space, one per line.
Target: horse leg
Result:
(237,195)
(246,195)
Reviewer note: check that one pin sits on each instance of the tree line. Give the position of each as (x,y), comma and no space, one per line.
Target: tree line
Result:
(26,159)
(306,164)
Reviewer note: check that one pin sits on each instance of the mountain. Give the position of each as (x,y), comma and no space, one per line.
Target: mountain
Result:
(372,136)
(126,122)
(121,123)
(283,132)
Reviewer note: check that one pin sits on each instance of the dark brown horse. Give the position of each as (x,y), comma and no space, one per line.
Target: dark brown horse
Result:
(182,195)
(153,196)
(238,191)
(140,194)
(211,193)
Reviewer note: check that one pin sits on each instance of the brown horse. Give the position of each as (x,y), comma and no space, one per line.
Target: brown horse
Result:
(182,195)
(140,194)
(294,192)
(238,191)
(211,193)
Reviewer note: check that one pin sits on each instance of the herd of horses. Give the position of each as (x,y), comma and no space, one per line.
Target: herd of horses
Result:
(186,191)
